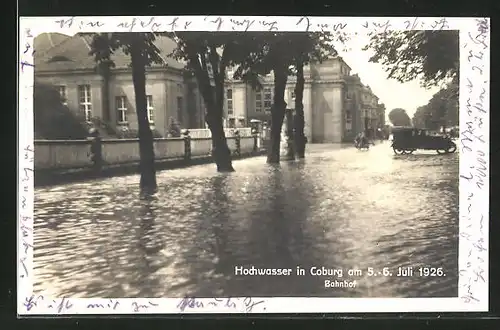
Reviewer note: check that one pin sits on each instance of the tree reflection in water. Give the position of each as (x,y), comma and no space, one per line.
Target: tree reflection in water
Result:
(339,208)
(149,244)
(220,216)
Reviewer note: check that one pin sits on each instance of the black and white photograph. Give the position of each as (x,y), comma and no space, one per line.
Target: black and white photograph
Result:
(215,164)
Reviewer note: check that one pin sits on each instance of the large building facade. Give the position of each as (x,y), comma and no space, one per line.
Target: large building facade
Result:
(110,99)
(337,105)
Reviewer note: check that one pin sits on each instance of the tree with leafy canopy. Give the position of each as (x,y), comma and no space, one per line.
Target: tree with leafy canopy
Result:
(399,117)
(207,56)
(143,52)
(273,55)
(421,117)
(441,110)
(52,119)
(444,106)
(289,51)
(432,57)
(254,54)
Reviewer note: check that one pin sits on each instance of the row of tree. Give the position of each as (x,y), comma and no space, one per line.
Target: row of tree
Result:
(208,54)
(432,58)
(439,113)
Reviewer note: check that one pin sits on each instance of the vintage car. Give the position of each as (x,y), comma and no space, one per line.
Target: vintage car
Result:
(408,139)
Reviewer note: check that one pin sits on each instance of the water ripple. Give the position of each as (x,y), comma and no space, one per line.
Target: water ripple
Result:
(338,208)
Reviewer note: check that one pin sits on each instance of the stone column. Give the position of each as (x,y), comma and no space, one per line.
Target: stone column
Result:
(308,111)
(337,118)
(287,145)
(284,138)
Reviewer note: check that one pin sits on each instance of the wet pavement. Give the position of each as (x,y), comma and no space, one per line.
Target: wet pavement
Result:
(340,208)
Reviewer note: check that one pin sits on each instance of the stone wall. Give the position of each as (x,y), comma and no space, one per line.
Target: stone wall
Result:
(73,154)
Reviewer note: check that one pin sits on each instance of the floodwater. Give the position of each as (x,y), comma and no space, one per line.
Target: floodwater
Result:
(340,208)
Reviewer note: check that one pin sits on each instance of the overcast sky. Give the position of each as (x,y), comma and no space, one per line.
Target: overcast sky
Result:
(394,94)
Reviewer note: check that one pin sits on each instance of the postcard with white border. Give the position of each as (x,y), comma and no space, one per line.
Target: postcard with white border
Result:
(206,164)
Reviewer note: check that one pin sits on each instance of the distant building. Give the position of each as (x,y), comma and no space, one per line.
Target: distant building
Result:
(337,105)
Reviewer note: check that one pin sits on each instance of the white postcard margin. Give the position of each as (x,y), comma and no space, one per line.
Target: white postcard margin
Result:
(473,146)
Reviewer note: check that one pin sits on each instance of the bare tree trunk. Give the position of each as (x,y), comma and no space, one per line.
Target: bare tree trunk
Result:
(220,152)
(300,138)
(277,113)
(146,149)
(213,117)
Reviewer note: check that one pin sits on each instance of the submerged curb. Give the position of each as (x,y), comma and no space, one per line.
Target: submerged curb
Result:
(61,176)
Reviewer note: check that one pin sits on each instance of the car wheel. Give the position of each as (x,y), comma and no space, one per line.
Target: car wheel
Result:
(452,148)
(398,151)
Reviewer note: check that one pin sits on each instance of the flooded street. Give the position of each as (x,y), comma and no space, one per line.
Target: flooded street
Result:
(339,208)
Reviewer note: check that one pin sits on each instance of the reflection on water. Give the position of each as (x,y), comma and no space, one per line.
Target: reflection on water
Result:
(339,209)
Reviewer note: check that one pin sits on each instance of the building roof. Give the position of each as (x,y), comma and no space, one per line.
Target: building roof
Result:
(73,54)
(343,61)
(45,41)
